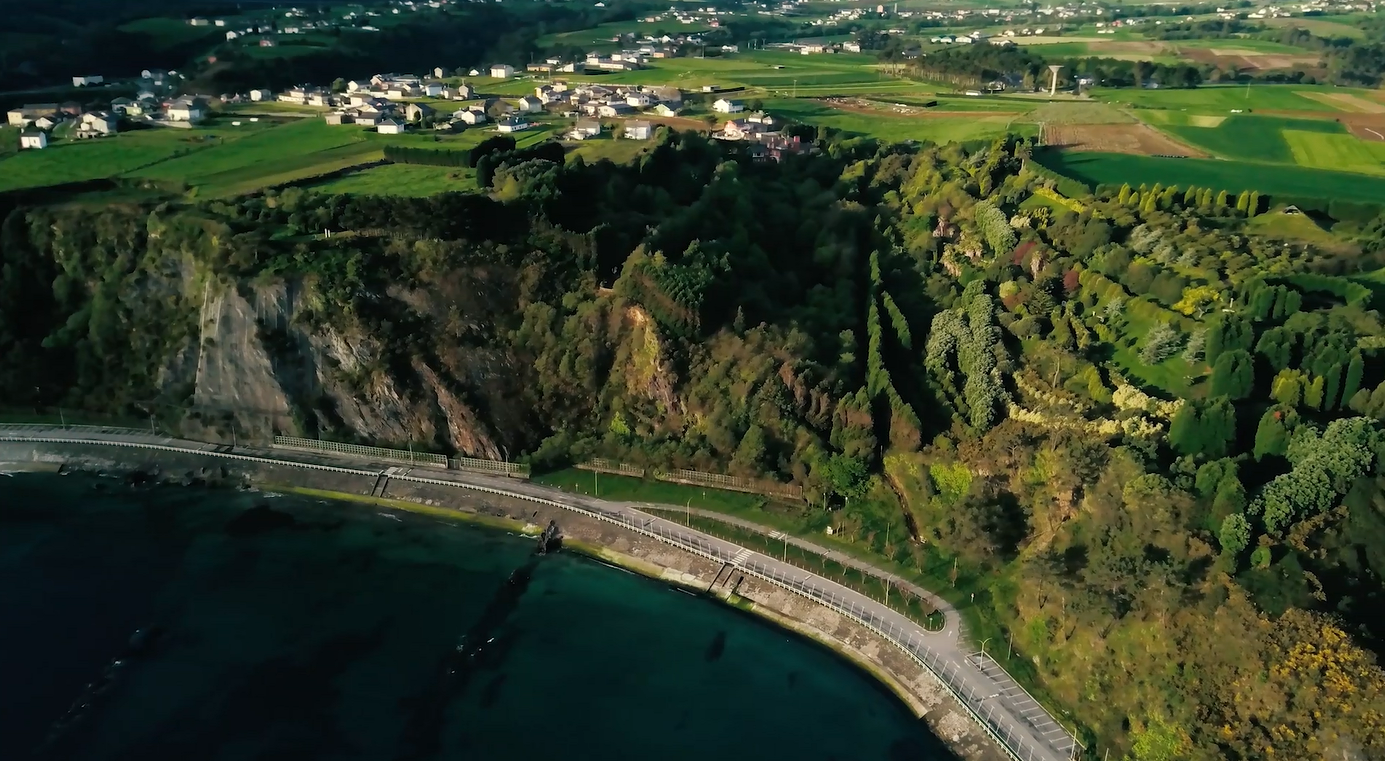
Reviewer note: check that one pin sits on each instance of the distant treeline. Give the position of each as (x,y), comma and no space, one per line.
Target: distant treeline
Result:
(980,64)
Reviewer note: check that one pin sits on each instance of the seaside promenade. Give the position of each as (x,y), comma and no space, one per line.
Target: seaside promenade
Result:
(1008,713)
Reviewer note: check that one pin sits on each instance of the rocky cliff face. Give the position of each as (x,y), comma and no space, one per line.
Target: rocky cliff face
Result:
(265,363)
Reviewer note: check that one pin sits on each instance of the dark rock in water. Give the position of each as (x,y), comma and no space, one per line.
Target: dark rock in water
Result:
(141,478)
(550,540)
(258,520)
(717,647)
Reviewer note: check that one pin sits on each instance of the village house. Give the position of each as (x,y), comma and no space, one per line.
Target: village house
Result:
(638,130)
(513,124)
(433,89)
(88,80)
(529,104)
(663,109)
(261,95)
(33,140)
(639,100)
(417,112)
(726,106)
(71,108)
(464,91)
(470,116)
(186,109)
(338,118)
(49,121)
(502,71)
(99,123)
(364,119)
(390,127)
(613,109)
(121,105)
(584,129)
(26,114)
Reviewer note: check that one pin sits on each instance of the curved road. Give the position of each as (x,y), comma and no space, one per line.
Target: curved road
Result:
(1000,705)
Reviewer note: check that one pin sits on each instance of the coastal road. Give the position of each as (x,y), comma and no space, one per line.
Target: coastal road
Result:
(1000,705)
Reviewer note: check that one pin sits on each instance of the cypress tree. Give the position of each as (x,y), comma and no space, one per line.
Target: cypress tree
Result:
(1221,200)
(1253,205)
(1272,435)
(1243,201)
(1356,368)
(1233,374)
(1190,196)
(1123,197)
(1332,383)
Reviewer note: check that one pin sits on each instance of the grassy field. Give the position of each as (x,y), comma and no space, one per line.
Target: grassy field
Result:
(1233,176)
(169,32)
(108,157)
(289,148)
(1251,138)
(1339,152)
(1219,99)
(401,180)
(896,128)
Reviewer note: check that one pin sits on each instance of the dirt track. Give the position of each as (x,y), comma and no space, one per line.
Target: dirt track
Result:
(1138,139)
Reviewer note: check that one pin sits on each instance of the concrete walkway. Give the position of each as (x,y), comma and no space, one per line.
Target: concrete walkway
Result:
(996,701)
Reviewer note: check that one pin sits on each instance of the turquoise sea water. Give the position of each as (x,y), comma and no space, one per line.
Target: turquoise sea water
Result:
(254,627)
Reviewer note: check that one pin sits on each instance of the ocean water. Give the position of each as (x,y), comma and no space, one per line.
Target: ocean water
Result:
(177,623)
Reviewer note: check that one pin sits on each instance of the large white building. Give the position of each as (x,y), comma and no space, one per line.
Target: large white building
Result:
(502,71)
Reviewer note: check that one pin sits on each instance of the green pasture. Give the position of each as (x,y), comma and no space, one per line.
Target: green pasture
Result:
(1321,26)
(894,127)
(1340,152)
(603,33)
(1222,99)
(262,152)
(401,180)
(1232,176)
(1244,137)
(64,162)
(169,32)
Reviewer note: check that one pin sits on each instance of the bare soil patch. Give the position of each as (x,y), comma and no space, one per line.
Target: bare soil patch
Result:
(1345,101)
(1232,58)
(1138,139)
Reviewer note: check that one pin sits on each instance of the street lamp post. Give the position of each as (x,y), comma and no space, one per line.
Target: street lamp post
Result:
(983,645)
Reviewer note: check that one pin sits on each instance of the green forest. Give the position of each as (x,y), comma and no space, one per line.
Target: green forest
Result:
(1147,435)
